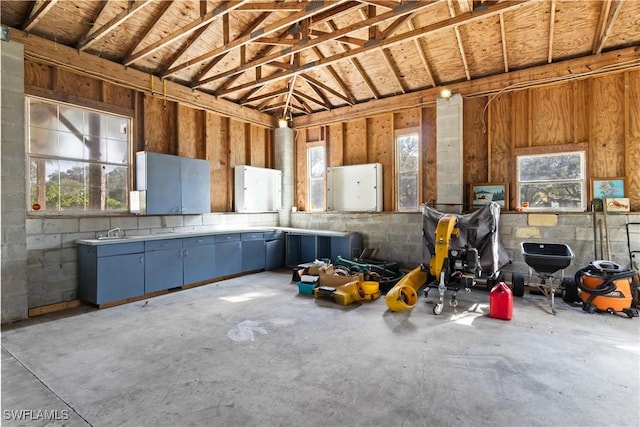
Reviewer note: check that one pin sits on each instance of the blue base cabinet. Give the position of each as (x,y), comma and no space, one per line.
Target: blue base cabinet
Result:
(199,259)
(111,272)
(164,265)
(308,246)
(253,251)
(228,254)
(274,250)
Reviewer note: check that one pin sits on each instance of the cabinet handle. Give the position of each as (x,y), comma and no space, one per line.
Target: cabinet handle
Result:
(186,252)
(141,259)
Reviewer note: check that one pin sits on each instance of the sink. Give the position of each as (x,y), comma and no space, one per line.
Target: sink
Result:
(111,237)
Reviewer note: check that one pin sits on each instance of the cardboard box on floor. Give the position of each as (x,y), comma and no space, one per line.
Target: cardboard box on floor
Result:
(332,280)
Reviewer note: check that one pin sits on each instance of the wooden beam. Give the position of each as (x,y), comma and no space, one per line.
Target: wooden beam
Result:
(607,30)
(465,6)
(116,21)
(38,11)
(573,69)
(303,45)
(83,63)
(310,10)
(223,8)
(401,38)
(394,71)
(263,96)
(345,39)
(318,92)
(185,46)
(552,23)
(310,98)
(327,88)
(456,29)
(605,7)
(142,36)
(423,56)
(209,66)
(274,6)
(503,37)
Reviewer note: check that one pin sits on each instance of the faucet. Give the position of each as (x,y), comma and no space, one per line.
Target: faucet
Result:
(114,232)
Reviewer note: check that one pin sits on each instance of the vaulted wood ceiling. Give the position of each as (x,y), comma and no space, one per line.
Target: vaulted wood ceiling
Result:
(292,57)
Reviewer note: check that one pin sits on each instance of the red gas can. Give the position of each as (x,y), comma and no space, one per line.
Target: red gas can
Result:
(501,302)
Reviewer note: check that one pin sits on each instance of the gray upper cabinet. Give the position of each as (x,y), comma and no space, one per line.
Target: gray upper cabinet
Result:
(172,184)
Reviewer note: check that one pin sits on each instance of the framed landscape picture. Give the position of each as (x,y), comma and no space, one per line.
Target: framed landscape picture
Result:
(484,193)
(607,188)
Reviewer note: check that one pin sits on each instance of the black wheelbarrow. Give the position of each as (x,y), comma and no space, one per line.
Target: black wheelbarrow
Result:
(545,260)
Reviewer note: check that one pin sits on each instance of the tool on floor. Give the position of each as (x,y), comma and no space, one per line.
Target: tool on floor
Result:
(606,286)
(544,261)
(463,250)
(348,293)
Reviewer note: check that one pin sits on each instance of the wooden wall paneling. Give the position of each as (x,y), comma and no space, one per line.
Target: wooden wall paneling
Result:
(314,134)
(78,85)
(551,115)
(258,147)
(499,139)
(429,156)
(409,118)
(581,110)
(632,146)
(237,143)
(118,95)
(217,153)
(520,118)
(475,141)
(190,135)
(355,147)
(606,147)
(301,170)
(381,149)
(159,125)
(335,144)
(38,75)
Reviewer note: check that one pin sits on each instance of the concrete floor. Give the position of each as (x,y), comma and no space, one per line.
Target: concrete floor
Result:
(251,351)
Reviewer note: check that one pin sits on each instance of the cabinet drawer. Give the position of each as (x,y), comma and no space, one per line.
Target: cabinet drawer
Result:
(119,249)
(252,236)
(157,245)
(191,242)
(219,238)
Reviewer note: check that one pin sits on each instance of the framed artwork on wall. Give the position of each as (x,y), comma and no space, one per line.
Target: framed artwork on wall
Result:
(608,188)
(484,193)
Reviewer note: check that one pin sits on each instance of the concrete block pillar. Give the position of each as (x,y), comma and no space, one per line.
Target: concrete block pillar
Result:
(450,185)
(284,162)
(13,201)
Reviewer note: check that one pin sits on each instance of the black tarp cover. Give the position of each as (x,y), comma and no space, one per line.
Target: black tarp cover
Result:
(484,221)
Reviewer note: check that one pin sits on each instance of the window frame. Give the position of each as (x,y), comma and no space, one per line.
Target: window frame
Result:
(320,146)
(399,133)
(30,156)
(579,149)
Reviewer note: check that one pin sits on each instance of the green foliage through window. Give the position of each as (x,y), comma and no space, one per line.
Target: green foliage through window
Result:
(78,158)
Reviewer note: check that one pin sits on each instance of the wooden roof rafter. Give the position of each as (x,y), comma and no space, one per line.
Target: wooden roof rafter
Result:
(223,8)
(317,91)
(301,102)
(114,23)
(552,23)
(310,10)
(456,29)
(386,54)
(251,27)
(250,100)
(423,56)
(303,95)
(503,39)
(355,63)
(401,38)
(326,88)
(39,9)
(145,33)
(606,31)
(398,11)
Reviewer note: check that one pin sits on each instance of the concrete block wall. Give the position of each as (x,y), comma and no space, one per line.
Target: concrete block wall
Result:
(51,252)
(450,184)
(398,236)
(13,188)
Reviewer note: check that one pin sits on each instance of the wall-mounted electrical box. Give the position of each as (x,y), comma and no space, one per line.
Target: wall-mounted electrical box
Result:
(257,189)
(355,188)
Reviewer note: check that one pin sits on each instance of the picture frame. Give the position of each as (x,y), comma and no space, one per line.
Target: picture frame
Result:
(602,188)
(482,194)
